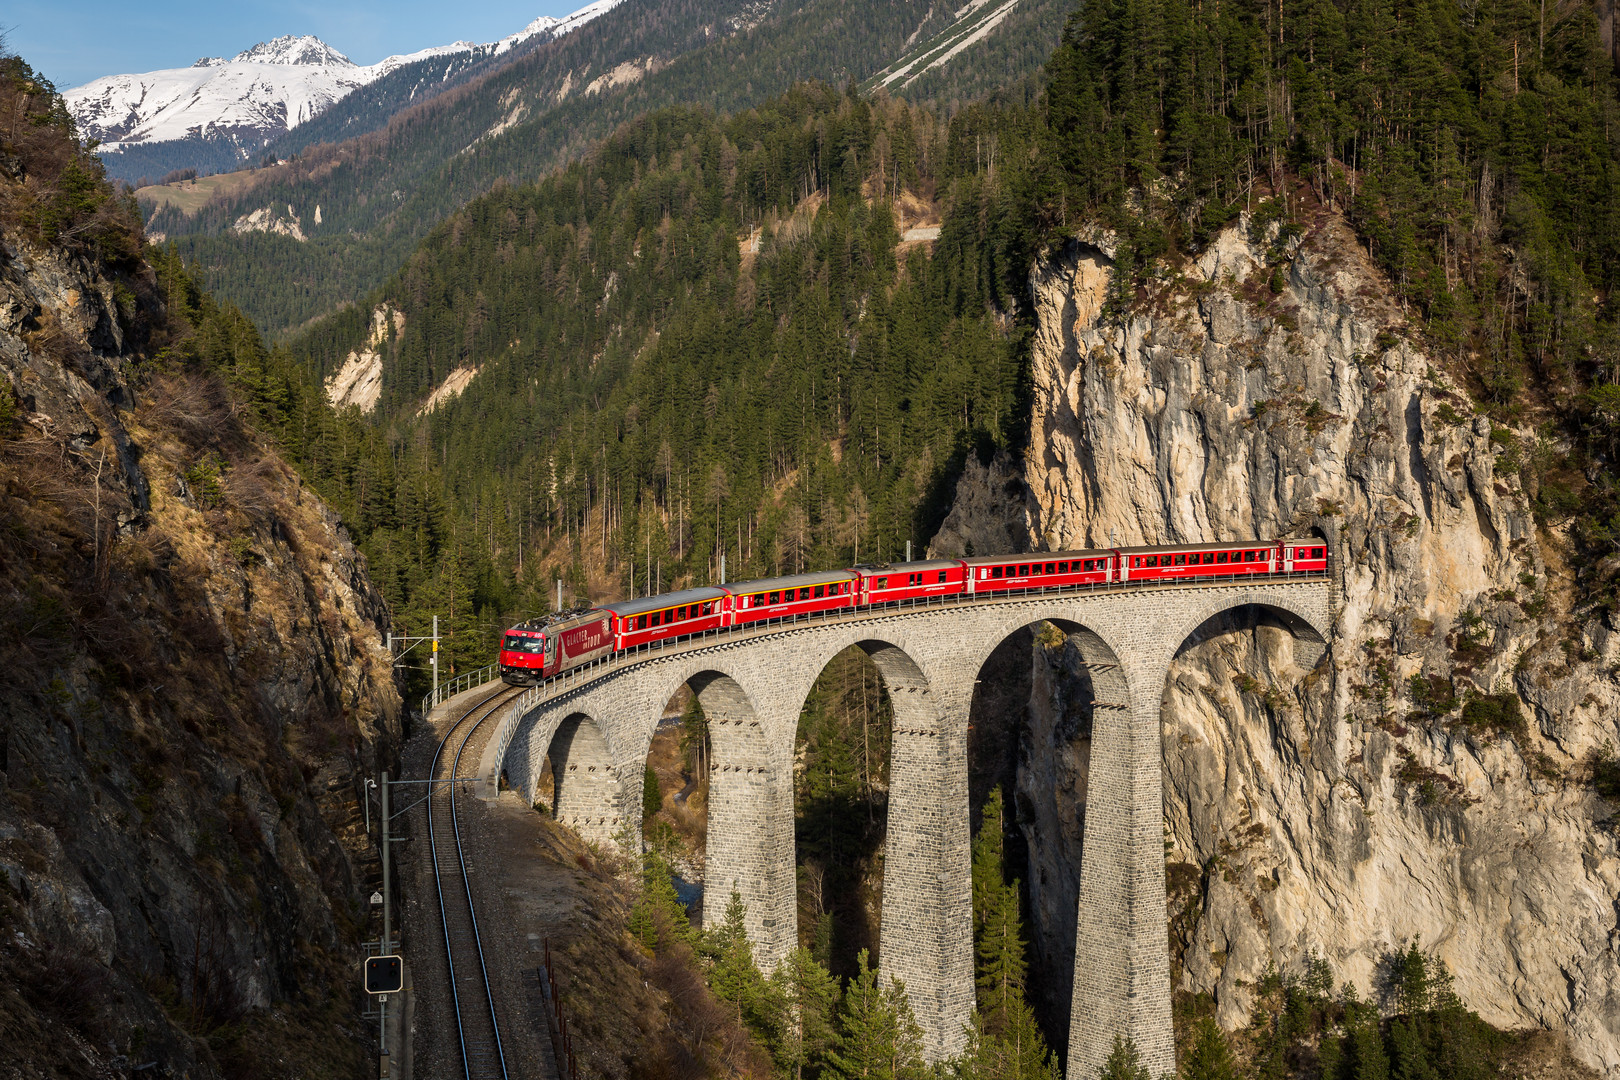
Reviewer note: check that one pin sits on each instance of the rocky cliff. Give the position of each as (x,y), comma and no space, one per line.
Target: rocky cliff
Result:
(1431,778)
(193,674)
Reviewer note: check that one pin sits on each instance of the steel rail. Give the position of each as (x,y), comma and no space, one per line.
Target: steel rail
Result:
(487,1055)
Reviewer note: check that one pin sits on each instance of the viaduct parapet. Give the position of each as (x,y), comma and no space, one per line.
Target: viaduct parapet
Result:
(597,725)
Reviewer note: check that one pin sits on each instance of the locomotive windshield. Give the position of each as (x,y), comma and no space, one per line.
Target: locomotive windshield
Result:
(525,644)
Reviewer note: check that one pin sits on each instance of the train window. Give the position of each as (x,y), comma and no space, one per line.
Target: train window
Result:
(1051,568)
(776,598)
(1181,560)
(995,571)
(641,623)
(821,591)
(942,577)
(1221,557)
(1023,571)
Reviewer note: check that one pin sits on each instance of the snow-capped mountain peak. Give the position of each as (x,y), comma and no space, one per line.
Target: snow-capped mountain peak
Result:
(291,49)
(261,92)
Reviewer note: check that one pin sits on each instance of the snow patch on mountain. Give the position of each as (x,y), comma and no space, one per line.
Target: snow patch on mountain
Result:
(261,92)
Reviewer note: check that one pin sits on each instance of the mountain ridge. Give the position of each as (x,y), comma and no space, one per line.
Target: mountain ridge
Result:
(248,101)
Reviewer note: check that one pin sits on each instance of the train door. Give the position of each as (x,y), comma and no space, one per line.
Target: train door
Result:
(548,656)
(1288,558)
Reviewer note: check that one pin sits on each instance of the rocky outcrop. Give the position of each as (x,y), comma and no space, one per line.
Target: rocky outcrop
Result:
(1429,779)
(193,674)
(358,382)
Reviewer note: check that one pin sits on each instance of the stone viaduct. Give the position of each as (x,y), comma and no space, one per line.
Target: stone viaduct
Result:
(597,724)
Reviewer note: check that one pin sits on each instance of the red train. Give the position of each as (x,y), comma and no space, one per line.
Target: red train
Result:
(540,649)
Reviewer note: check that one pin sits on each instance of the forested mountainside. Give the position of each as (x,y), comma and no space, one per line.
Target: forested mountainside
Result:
(378,196)
(193,666)
(710,328)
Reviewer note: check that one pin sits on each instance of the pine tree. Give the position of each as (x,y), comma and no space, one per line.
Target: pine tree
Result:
(1210,1057)
(809,998)
(652,797)
(1124,1062)
(658,918)
(878,1037)
(736,979)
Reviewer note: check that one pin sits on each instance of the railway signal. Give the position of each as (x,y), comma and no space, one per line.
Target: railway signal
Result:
(384,975)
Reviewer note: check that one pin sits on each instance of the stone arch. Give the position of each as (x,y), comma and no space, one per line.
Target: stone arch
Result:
(925,925)
(587,794)
(1050,774)
(749,848)
(1304,615)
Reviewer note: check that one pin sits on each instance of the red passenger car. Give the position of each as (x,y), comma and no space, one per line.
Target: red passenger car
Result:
(671,615)
(1304,556)
(786,597)
(1171,562)
(1040,570)
(888,584)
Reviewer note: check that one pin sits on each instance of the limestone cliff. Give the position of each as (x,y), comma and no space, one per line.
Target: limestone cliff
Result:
(192,672)
(1430,778)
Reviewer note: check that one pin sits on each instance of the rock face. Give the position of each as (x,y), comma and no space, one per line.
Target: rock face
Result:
(193,673)
(1430,778)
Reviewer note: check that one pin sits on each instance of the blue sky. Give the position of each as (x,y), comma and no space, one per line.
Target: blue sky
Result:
(73,41)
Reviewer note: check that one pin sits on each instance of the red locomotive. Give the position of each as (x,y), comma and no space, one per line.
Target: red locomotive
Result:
(534,651)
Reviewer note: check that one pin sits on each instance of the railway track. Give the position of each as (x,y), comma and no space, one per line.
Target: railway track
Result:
(477,1028)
